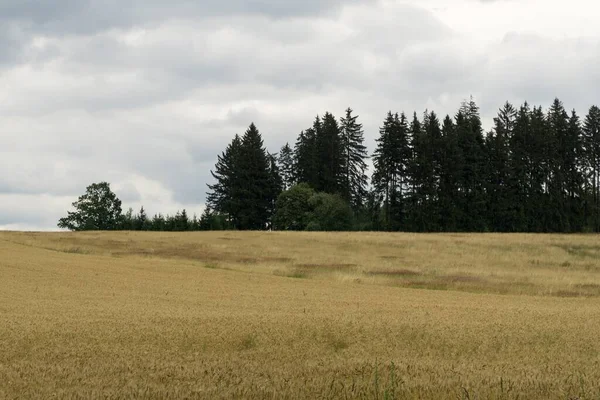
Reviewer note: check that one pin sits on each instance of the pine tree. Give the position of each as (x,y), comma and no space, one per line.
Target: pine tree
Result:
(329,156)
(285,162)
(591,145)
(354,178)
(225,195)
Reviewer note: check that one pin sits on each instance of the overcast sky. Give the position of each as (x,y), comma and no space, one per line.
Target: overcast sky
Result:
(145,93)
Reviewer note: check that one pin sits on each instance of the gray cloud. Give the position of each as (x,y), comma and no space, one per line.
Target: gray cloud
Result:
(146,97)
(91,16)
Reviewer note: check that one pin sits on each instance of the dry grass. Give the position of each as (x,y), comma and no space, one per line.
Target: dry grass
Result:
(223,315)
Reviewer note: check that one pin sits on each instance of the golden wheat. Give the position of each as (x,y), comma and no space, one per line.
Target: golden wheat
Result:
(299,315)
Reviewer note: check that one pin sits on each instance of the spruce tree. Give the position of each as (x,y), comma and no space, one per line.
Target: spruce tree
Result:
(451,165)
(557,218)
(425,174)
(225,195)
(390,176)
(473,179)
(591,145)
(354,178)
(255,193)
(141,220)
(501,212)
(330,156)
(276,186)
(520,166)
(285,163)
(305,156)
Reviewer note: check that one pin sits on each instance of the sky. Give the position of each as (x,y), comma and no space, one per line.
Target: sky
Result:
(144,94)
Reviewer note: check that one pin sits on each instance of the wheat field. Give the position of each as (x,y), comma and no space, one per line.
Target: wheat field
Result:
(299,315)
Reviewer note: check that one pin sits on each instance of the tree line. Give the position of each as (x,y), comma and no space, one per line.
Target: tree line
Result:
(534,171)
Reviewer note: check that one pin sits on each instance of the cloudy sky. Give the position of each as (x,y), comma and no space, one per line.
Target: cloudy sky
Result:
(145,93)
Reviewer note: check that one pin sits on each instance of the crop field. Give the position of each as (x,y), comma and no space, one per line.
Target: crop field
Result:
(299,315)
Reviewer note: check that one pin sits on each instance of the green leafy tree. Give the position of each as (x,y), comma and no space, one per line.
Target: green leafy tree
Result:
(97,209)
(293,208)
(329,213)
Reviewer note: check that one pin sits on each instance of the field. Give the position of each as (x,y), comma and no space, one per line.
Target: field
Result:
(299,315)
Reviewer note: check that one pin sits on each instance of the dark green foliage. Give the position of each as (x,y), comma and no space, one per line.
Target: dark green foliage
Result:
(141,221)
(293,208)
(501,211)
(390,179)
(591,158)
(330,157)
(285,162)
(225,195)
(275,187)
(354,178)
(255,191)
(425,166)
(247,183)
(534,171)
(301,208)
(329,212)
(97,209)
(305,156)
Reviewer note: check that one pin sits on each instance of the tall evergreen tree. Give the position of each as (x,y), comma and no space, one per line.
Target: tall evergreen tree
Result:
(501,213)
(390,176)
(256,192)
(354,178)
(520,167)
(330,156)
(276,186)
(451,166)
(425,174)
(591,145)
(285,163)
(471,142)
(141,221)
(305,156)
(225,195)
(557,218)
